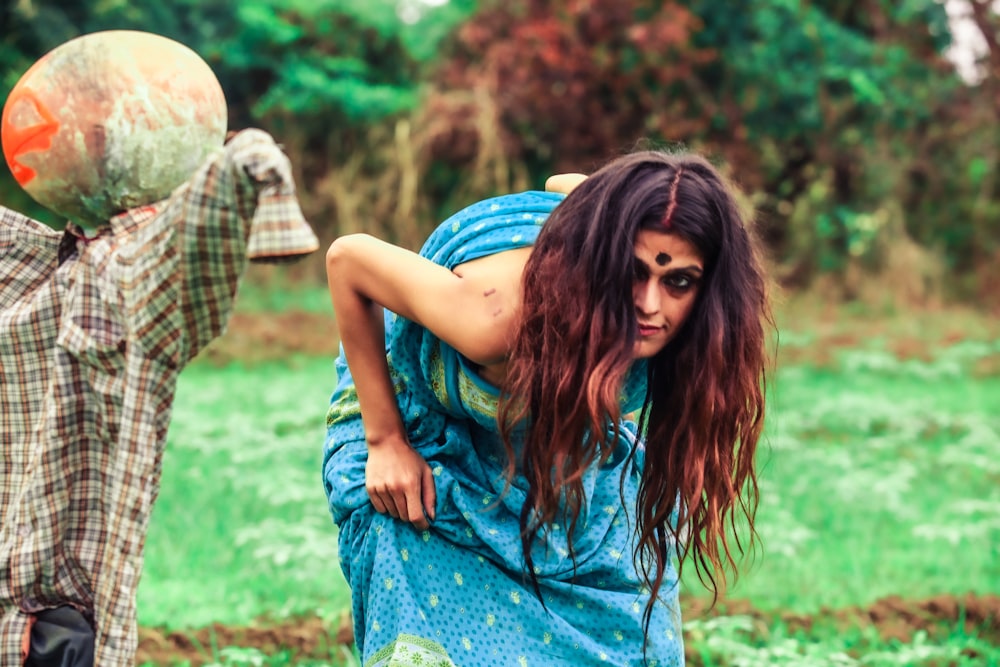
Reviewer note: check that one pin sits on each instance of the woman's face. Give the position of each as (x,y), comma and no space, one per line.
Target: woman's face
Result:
(668,273)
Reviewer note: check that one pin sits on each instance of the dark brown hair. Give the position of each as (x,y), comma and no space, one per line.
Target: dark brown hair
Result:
(704,407)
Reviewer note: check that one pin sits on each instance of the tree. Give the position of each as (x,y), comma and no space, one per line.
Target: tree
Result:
(573,82)
(831,96)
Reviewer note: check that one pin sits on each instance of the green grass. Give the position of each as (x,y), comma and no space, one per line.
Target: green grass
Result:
(241,527)
(879,476)
(742,641)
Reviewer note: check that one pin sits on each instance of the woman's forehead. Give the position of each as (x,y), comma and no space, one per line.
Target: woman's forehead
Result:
(665,248)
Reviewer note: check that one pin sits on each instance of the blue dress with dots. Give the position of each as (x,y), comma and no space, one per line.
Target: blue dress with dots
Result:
(458,593)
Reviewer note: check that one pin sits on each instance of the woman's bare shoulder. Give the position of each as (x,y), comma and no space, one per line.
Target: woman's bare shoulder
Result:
(498,266)
(496,282)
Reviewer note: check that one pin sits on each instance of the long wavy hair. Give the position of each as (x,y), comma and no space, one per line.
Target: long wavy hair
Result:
(704,407)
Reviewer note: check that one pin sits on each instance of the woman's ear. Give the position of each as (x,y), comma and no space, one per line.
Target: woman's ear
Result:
(564,183)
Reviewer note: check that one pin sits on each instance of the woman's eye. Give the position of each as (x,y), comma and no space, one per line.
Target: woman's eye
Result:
(678,281)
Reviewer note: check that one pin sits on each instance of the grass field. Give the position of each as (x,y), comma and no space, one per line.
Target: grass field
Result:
(880,476)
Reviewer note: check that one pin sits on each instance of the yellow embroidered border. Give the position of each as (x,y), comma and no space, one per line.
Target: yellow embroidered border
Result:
(476,398)
(347,407)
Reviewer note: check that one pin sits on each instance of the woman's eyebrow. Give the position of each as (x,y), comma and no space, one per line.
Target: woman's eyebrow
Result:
(691,268)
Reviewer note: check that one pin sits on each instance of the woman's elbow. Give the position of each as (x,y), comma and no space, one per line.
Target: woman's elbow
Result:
(341,252)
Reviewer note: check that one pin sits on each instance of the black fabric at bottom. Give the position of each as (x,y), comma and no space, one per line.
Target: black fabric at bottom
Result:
(61,637)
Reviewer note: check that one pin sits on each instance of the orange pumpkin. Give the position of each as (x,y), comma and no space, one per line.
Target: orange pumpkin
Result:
(110,121)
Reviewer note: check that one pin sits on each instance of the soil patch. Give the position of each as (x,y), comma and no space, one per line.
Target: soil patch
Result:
(311,637)
(301,638)
(263,337)
(894,617)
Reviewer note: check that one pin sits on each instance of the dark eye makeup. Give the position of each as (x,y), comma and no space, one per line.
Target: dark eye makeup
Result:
(680,280)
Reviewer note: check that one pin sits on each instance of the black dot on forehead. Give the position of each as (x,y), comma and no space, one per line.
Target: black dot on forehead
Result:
(662,258)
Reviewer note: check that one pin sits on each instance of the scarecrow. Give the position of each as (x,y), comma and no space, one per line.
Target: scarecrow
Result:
(123,133)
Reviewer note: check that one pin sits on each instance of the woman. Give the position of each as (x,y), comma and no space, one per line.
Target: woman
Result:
(495,504)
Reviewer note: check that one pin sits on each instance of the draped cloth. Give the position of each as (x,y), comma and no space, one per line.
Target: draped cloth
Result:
(458,593)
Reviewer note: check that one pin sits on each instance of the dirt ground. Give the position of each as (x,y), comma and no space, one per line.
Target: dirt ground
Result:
(261,338)
(310,637)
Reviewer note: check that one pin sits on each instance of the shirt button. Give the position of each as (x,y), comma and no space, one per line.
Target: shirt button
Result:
(24,530)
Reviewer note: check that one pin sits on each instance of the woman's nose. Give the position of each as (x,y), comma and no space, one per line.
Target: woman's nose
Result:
(647,297)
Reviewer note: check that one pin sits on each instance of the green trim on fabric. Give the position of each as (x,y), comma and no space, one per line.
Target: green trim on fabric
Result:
(411,650)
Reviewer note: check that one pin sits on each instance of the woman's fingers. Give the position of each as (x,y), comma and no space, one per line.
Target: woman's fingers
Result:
(429,492)
(408,502)
(415,509)
(564,183)
(400,483)
(377,502)
(384,503)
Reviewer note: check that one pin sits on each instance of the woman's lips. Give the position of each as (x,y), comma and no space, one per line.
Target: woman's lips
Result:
(646,330)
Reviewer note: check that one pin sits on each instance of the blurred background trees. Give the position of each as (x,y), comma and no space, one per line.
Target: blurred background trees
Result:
(871,163)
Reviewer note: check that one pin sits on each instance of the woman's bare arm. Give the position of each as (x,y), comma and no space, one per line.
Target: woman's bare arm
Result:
(472,309)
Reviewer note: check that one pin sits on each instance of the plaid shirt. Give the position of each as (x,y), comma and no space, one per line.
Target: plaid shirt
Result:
(93,334)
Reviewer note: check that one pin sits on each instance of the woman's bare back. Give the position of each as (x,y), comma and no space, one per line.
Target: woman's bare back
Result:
(498,279)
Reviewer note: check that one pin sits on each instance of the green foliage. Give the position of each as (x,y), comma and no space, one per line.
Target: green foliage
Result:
(320,75)
(426,26)
(283,56)
(343,62)
(793,67)
(839,97)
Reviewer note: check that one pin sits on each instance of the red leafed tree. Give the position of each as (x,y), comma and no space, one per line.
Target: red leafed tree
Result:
(566,84)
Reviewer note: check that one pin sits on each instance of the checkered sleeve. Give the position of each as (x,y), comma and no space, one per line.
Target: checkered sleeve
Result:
(182,259)
(28,252)
(255,188)
(250,186)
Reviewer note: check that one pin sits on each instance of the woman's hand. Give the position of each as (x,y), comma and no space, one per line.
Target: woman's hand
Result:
(564,183)
(399,482)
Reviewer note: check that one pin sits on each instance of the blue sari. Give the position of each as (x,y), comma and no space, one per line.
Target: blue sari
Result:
(457,593)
